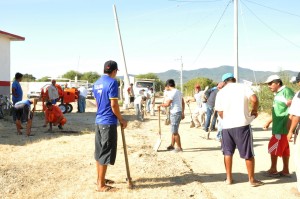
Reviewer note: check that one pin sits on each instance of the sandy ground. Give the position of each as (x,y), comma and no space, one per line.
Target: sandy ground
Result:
(61,164)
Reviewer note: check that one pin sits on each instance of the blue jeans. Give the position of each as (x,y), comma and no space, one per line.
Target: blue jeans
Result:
(81,104)
(209,113)
(175,119)
(148,105)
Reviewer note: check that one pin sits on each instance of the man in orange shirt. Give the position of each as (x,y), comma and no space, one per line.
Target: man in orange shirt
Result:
(53,115)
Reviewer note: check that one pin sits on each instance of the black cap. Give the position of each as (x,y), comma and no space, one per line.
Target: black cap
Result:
(110,66)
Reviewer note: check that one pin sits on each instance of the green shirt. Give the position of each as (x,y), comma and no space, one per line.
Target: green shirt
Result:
(280,113)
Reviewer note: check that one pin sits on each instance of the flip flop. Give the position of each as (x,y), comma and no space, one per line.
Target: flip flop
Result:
(284,175)
(271,175)
(108,189)
(228,183)
(107,181)
(257,183)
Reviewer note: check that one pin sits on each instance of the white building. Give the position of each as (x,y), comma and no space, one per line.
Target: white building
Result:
(5,39)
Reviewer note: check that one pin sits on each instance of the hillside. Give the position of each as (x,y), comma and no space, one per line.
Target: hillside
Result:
(216,74)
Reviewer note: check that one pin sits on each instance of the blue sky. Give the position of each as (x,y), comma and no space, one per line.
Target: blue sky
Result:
(63,35)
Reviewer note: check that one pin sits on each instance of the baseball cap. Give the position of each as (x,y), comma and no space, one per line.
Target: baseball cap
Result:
(272,78)
(110,66)
(226,76)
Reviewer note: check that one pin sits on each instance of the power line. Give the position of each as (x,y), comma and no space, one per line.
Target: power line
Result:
(277,33)
(203,48)
(278,10)
(205,1)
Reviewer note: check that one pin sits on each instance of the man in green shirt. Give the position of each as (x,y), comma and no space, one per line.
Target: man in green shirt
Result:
(278,144)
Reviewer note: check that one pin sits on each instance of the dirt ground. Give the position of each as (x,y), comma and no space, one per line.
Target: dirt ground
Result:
(61,164)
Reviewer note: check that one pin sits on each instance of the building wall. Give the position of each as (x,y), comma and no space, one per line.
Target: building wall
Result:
(4,66)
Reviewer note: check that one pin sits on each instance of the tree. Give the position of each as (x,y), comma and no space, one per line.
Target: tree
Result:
(44,79)
(28,78)
(90,76)
(159,85)
(189,86)
(72,74)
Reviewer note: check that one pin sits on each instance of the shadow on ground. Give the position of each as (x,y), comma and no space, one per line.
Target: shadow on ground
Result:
(202,178)
(77,124)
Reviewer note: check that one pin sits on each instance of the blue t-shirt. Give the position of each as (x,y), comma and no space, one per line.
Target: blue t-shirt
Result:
(18,89)
(105,89)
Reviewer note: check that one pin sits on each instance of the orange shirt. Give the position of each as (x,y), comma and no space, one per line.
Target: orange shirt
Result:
(55,112)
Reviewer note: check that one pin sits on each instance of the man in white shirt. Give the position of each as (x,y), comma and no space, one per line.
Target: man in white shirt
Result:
(176,103)
(53,92)
(232,104)
(294,116)
(82,99)
(198,111)
(139,107)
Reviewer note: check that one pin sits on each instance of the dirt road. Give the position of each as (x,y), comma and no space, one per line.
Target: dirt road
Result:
(61,164)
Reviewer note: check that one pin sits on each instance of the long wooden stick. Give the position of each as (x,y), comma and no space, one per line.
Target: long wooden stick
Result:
(130,185)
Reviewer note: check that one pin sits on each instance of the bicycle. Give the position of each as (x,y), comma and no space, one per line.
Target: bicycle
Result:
(6,107)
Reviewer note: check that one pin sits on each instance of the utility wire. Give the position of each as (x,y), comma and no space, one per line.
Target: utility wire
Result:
(277,33)
(205,1)
(210,36)
(278,10)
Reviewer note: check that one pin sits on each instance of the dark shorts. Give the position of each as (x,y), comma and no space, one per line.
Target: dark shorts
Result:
(131,99)
(106,144)
(22,113)
(175,119)
(241,138)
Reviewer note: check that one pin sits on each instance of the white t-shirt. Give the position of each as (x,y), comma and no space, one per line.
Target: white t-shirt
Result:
(233,100)
(198,97)
(295,106)
(176,97)
(52,92)
(82,91)
(138,100)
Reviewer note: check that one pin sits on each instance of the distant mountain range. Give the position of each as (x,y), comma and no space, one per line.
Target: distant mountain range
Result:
(216,73)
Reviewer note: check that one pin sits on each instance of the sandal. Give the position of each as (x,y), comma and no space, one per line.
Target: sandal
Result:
(169,148)
(285,175)
(107,181)
(107,189)
(228,182)
(271,175)
(256,183)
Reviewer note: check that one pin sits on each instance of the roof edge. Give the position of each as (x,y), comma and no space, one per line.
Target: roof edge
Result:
(12,36)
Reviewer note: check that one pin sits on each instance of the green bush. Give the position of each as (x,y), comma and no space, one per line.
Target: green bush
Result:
(189,87)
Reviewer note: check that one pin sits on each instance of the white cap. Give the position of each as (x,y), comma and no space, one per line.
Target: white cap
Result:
(272,78)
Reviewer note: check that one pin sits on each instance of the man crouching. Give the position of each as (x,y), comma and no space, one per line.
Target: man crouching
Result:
(54,116)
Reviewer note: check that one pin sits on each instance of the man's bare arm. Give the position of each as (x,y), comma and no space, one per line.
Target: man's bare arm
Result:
(293,124)
(254,105)
(116,110)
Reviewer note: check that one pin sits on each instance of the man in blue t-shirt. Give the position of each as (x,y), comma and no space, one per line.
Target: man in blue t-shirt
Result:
(24,114)
(16,89)
(17,92)
(105,91)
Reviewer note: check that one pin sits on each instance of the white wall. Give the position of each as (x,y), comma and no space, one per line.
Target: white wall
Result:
(4,64)
(4,59)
